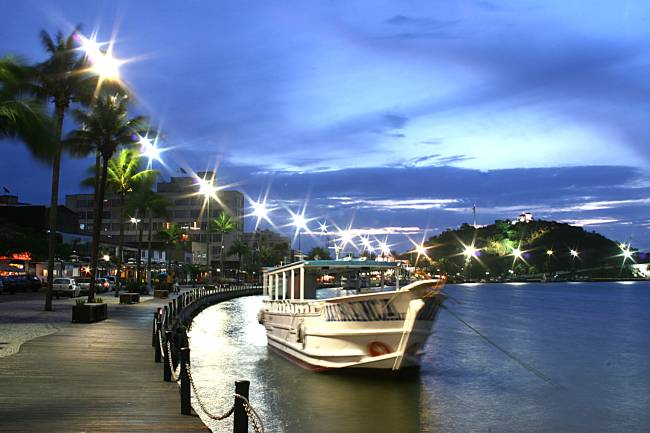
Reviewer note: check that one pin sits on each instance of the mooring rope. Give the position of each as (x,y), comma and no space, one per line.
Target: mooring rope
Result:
(524,364)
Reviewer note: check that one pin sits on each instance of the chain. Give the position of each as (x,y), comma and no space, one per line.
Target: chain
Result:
(255,418)
(162,350)
(198,399)
(175,375)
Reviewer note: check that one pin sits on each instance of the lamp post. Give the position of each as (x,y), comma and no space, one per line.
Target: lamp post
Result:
(299,222)
(549,254)
(207,190)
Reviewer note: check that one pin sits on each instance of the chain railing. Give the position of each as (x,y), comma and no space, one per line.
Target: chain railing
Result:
(170,337)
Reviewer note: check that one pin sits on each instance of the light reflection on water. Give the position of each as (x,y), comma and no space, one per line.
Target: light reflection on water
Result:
(592,339)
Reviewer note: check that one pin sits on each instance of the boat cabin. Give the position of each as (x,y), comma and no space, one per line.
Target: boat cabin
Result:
(300,280)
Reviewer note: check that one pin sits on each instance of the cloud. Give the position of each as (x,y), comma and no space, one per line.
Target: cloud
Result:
(590,221)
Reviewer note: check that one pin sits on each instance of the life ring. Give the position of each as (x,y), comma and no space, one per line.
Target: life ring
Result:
(377,348)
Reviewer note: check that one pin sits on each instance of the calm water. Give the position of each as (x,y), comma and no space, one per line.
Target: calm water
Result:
(591,339)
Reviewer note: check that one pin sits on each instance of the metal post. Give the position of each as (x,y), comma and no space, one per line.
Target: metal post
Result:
(302,283)
(186,397)
(167,370)
(153,332)
(157,343)
(240,423)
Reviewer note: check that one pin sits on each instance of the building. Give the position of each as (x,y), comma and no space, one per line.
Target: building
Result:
(267,238)
(525,217)
(187,209)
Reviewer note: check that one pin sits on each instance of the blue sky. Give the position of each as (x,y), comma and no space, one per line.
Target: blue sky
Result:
(397,115)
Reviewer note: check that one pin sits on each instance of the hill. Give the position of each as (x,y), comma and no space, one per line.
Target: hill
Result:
(506,250)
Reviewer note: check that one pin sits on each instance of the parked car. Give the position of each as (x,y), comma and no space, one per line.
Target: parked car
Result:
(15,283)
(102,284)
(111,282)
(66,286)
(84,285)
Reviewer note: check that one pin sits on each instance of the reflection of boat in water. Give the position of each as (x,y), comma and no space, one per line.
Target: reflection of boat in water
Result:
(381,329)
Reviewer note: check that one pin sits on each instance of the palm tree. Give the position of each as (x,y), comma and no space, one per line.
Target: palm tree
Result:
(172,236)
(144,201)
(21,115)
(123,174)
(61,79)
(223,224)
(240,249)
(106,127)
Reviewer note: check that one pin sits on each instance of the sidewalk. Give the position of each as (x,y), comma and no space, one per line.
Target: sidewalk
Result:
(86,377)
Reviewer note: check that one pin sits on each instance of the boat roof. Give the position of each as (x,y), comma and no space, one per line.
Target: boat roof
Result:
(337,264)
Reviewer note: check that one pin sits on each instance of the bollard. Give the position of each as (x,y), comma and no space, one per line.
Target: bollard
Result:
(157,343)
(186,397)
(240,423)
(153,332)
(167,370)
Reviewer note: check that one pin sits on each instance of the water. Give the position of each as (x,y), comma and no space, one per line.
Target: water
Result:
(591,339)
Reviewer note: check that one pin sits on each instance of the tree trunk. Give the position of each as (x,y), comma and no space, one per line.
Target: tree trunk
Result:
(54,202)
(120,244)
(138,273)
(97,229)
(149,251)
(222,258)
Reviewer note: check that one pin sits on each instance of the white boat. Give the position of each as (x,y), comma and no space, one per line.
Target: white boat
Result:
(378,329)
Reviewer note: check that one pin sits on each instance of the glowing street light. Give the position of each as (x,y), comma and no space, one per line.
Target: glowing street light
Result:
(323,227)
(470,251)
(517,253)
(549,252)
(383,247)
(574,253)
(420,250)
(299,221)
(150,150)
(106,257)
(260,212)
(366,243)
(102,61)
(208,190)
(135,220)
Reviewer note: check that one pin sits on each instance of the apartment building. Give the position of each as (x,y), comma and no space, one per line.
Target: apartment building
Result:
(187,208)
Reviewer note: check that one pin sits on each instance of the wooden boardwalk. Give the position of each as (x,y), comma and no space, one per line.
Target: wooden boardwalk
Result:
(92,378)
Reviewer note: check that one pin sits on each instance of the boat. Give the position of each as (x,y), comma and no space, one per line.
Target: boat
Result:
(380,327)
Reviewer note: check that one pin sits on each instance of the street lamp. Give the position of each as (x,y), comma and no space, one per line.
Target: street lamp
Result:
(102,61)
(208,191)
(299,221)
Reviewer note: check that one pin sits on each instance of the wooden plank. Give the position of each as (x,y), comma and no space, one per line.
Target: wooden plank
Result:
(97,377)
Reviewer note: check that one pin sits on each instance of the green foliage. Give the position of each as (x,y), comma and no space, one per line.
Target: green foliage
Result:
(124,172)
(223,224)
(319,253)
(80,301)
(23,116)
(497,241)
(172,236)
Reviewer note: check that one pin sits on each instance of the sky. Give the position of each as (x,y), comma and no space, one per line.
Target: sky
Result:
(391,117)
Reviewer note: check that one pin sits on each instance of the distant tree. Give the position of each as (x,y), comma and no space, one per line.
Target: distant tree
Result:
(173,237)
(123,174)
(223,225)
(144,202)
(319,253)
(240,249)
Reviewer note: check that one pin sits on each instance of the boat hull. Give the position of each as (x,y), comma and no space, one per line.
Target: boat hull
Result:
(386,330)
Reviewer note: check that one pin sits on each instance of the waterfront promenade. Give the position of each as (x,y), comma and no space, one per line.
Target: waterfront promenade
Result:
(88,377)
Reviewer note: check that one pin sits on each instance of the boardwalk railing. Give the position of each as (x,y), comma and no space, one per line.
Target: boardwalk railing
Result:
(171,347)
